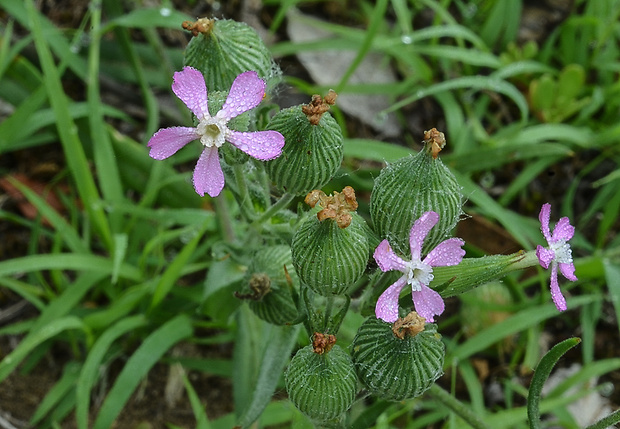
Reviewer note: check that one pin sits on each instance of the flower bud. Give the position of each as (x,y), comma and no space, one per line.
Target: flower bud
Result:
(223,49)
(321,385)
(313,151)
(411,186)
(331,254)
(400,361)
(271,278)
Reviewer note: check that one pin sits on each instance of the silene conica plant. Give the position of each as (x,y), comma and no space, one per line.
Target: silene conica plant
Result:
(306,265)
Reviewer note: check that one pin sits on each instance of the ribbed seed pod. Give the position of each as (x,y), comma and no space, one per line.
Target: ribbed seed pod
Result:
(276,304)
(312,153)
(327,258)
(405,190)
(396,369)
(322,386)
(223,49)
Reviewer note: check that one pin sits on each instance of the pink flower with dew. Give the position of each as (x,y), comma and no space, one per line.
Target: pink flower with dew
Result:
(557,254)
(417,273)
(246,92)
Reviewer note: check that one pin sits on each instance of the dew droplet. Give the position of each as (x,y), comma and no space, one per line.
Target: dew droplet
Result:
(165,11)
(407,40)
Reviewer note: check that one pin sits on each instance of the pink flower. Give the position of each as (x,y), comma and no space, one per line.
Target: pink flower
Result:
(246,92)
(558,253)
(418,273)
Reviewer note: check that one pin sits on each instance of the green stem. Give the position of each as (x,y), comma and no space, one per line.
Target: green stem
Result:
(223,218)
(605,422)
(328,311)
(284,201)
(457,407)
(244,200)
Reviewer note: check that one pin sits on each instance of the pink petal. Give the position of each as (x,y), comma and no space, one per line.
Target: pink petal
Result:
(387,304)
(387,259)
(208,175)
(563,230)
(167,141)
(544,255)
(189,86)
(428,303)
(261,145)
(246,93)
(545,213)
(446,253)
(556,294)
(419,231)
(568,271)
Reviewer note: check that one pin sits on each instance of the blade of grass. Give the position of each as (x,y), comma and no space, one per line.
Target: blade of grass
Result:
(202,421)
(55,395)
(88,374)
(67,261)
(150,351)
(32,340)
(67,129)
(540,376)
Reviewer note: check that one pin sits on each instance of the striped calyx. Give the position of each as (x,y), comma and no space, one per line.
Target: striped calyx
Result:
(409,187)
(271,279)
(223,49)
(327,256)
(395,368)
(313,151)
(322,386)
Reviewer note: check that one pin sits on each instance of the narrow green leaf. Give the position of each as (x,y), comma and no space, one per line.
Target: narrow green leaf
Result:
(612,277)
(164,17)
(279,346)
(120,250)
(13,359)
(606,422)
(67,130)
(472,83)
(173,272)
(540,376)
(374,150)
(66,231)
(88,374)
(66,261)
(150,351)
(57,392)
(202,421)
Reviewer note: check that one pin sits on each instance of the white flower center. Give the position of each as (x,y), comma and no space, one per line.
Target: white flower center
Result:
(418,274)
(563,252)
(212,131)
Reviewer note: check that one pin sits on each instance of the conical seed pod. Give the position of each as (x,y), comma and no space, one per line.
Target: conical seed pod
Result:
(271,277)
(313,151)
(322,386)
(223,49)
(327,255)
(393,368)
(409,187)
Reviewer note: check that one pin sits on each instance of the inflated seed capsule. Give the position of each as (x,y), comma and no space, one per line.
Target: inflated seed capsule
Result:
(321,385)
(330,250)
(411,186)
(313,151)
(399,361)
(271,279)
(223,49)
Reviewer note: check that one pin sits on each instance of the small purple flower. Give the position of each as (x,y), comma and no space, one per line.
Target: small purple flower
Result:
(246,92)
(418,273)
(558,253)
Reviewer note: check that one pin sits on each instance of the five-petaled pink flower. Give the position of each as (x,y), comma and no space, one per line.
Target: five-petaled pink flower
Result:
(558,253)
(418,273)
(246,92)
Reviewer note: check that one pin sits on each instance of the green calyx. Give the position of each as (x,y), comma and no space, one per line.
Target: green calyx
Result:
(321,385)
(313,151)
(395,368)
(409,187)
(223,49)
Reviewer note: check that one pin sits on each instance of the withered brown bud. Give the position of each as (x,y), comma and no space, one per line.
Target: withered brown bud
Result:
(436,141)
(322,343)
(337,207)
(409,326)
(203,25)
(260,284)
(315,109)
